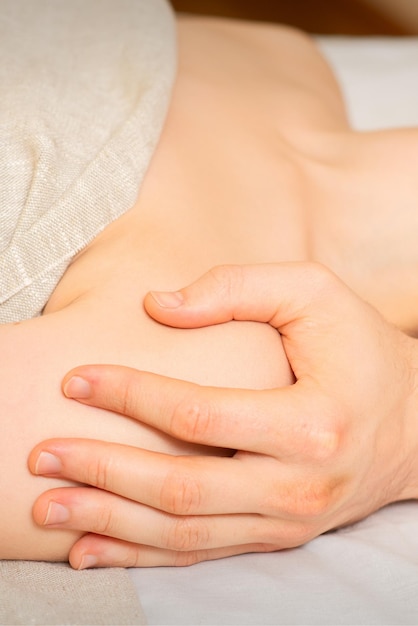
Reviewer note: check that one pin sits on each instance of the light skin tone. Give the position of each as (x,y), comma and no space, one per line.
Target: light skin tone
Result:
(256,164)
(324,452)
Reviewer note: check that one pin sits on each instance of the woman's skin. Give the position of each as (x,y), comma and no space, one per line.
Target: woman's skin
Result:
(256,164)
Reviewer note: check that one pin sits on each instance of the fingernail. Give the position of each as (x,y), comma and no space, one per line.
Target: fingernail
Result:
(48,463)
(56,514)
(88,560)
(168,299)
(77,387)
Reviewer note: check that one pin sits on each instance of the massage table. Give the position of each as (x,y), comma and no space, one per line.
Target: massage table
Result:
(363,574)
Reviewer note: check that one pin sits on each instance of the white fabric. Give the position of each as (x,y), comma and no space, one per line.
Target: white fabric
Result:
(365,574)
(379,77)
(84,87)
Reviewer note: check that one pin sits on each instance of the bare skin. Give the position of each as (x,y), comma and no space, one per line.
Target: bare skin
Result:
(256,164)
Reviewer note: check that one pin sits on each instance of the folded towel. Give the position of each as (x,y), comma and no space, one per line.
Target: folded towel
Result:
(84,88)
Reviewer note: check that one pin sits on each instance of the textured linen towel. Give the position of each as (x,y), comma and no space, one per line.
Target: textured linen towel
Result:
(84,89)
(53,593)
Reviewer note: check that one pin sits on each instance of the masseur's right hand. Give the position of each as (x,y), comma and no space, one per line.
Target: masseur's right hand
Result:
(326,451)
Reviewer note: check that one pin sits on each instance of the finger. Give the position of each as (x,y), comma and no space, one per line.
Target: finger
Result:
(102,513)
(257,421)
(184,485)
(191,486)
(98,551)
(274,293)
(177,485)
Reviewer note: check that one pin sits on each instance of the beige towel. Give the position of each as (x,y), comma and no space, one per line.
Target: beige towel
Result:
(84,88)
(53,593)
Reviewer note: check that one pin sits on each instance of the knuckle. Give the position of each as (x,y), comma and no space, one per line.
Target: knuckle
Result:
(269,547)
(280,536)
(193,418)
(321,282)
(185,559)
(104,521)
(313,501)
(127,396)
(228,280)
(324,443)
(300,533)
(316,501)
(180,494)
(322,434)
(99,473)
(186,534)
(126,557)
(319,275)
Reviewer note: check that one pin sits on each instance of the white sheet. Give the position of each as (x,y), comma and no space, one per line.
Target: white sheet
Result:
(379,77)
(365,574)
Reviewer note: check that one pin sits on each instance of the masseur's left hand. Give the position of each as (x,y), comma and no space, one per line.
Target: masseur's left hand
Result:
(326,451)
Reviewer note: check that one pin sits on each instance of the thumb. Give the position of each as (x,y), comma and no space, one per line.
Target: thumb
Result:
(274,293)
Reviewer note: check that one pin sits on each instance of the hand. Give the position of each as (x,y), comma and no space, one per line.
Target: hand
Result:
(324,452)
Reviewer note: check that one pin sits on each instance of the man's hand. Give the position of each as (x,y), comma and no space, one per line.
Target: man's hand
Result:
(324,452)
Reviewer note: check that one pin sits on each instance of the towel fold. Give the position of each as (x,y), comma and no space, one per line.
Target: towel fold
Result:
(84,89)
